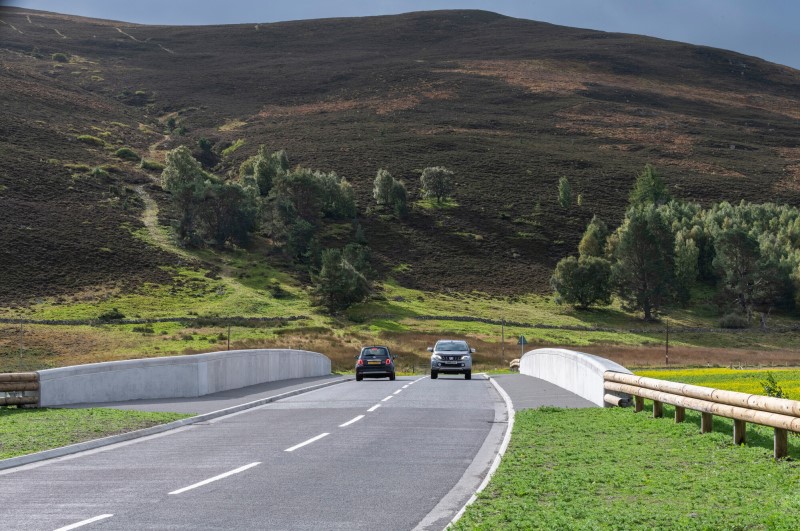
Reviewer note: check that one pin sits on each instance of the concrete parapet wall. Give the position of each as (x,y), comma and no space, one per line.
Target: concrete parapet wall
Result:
(176,376)
(577,372)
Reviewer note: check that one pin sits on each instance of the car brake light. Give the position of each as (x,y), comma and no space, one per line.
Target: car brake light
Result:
(388,361)
(360,363)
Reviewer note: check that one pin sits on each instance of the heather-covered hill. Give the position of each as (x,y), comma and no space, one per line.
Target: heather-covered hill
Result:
(510,105)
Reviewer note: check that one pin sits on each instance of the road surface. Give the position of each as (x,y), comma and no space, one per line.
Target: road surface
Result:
(357,455)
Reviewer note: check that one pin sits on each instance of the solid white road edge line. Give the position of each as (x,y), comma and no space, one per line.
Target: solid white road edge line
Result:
(82,523)
(387,398)
(311,440)
(373,408)
(216,478)
(351,421)
(500,453)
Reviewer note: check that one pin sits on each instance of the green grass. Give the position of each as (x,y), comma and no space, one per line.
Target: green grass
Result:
(741,380)
(433,204)
(91,140)
(193,293)
(613,469)
(25,431)
(230,150)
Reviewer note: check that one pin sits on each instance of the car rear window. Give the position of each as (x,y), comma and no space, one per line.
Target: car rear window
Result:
(373,352)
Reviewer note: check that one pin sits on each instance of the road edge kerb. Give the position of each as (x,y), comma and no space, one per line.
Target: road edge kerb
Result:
(500,453)
(13,462)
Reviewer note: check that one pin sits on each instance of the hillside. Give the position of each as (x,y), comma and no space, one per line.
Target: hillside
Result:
(510,105)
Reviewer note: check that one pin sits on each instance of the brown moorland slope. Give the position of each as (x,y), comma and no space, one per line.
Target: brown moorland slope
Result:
(510,105)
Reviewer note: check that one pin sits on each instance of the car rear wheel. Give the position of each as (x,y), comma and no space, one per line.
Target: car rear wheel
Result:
(391,377)
(434,375)
(359,377)
(468,375)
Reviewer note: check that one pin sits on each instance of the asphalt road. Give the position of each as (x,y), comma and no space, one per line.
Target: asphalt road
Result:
(358,455)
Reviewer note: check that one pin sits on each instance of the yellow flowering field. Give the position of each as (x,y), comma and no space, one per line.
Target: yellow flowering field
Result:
(742,380)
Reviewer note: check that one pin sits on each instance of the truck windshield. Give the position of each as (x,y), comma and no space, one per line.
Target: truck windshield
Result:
(451,346)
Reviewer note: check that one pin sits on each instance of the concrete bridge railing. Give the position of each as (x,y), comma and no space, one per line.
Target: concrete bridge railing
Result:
(577,372)
(175,376)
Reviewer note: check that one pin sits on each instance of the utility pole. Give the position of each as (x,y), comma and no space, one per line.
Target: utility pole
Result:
(229,336)
(21,346)
(666,344)
(503,340)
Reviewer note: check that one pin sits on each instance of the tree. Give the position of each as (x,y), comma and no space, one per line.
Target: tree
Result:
(686,266)
(205,154)
(594,239)
(299,238)
(229,211)
(644,269)
(339,284)
(745,274)
(649,189)
(185,180)
(437,182)
(265,167)
(398,198)
(302,188)
(336,195)
(382,187)
(564,193)
(582,282)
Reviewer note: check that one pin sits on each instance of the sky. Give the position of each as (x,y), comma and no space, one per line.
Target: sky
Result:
(764,28)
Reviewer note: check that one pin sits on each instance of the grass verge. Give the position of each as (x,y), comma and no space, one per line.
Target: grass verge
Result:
(612,469)
(26,431)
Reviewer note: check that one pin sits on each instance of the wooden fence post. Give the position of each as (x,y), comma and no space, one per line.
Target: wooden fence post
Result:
(658,409)
(706,423)
(739,431)
(680,414)
(781,443)
(638,404)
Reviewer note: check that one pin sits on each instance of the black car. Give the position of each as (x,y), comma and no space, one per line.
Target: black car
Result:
(375,362)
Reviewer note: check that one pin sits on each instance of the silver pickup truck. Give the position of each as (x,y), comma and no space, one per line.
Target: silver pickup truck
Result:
(451,356)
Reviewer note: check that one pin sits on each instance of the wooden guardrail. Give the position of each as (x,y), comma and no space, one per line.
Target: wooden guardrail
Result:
(779,413)
(19,389)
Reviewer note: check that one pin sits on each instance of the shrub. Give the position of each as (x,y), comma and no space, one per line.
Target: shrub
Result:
(112,315)
(91,140)
(60,57)
(97,171)
(734,320)
(127,153)
(151,165)
(277,291)
(772,388)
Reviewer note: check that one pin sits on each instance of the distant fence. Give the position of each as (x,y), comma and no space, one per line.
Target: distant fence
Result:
(582,328)
(781,414)
(19,389)
(210,321)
